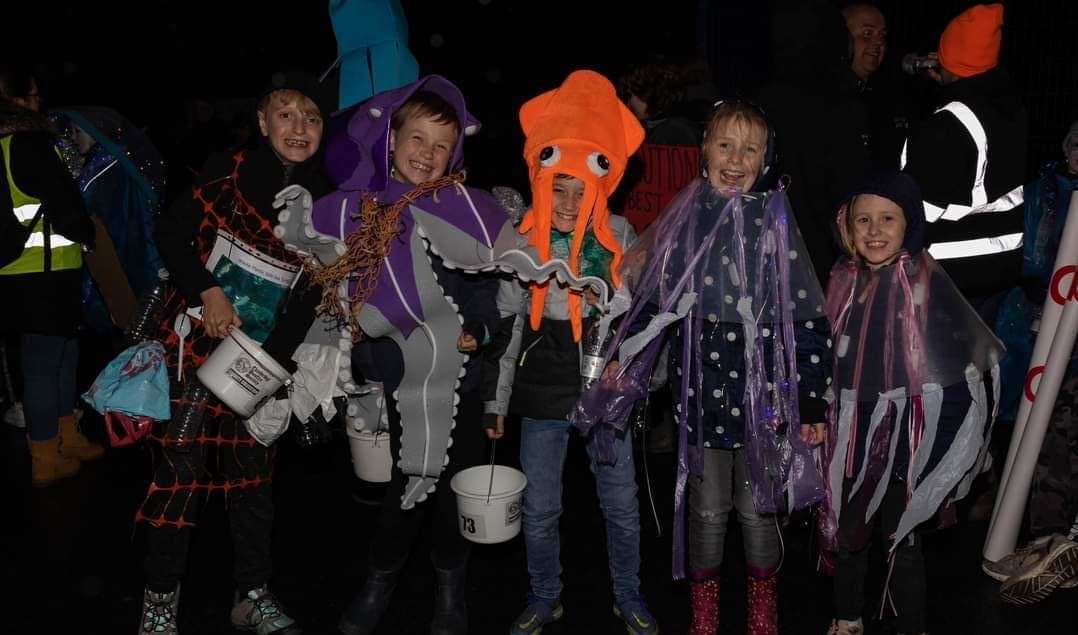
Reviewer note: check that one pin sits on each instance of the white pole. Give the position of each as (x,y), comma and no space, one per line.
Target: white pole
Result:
(1051,354)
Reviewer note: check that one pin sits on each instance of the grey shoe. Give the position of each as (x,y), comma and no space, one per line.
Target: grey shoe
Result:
(1007,566)
(846,627)
(1057,564)
(159,612)
(260,612)
(1010,565)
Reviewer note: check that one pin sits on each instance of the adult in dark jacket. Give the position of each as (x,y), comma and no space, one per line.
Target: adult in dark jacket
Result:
(41,286)
(821,126)
(876,85)
(230,206)
(969,158)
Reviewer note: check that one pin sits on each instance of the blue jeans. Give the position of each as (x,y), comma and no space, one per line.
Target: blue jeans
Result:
(49,363)
(543,445)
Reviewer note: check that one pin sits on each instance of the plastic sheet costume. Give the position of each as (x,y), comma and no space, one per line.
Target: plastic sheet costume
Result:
(122,180)
(714,261)
(916,380)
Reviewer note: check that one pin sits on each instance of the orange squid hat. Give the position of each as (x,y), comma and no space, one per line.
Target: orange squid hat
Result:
(579,129)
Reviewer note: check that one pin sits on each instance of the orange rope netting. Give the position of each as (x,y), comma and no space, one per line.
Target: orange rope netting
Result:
(367,248)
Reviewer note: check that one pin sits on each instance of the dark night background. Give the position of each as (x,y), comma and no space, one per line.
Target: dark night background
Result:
(157,60)
(70,556)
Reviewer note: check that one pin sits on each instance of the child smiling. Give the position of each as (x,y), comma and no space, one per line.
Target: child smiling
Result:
(912,413)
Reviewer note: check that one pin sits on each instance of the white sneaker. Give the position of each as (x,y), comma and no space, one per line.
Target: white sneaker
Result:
(159,613)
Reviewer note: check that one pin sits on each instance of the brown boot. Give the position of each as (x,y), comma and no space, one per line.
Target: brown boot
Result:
(48,464)
(74,445)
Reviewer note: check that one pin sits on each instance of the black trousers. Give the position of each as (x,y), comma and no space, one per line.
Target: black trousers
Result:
(250,518)
(398,529)
(907,577)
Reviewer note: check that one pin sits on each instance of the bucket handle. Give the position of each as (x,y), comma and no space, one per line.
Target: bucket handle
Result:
(490,485)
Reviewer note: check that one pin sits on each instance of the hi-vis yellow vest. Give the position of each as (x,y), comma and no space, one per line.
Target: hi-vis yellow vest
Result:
(65,253)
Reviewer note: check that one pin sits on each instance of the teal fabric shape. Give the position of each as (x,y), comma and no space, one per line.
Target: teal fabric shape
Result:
(372,44)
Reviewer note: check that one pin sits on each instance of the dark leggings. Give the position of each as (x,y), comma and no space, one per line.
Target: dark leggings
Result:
(907,577)
(397,529)
(250,521)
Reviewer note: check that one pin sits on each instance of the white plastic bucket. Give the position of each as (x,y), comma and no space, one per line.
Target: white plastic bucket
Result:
(241,374)
(497,520)
(371,457)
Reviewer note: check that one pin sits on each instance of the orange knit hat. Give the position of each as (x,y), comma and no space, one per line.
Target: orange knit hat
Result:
(970,44)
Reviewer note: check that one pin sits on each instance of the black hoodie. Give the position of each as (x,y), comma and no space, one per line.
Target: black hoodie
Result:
(261,176)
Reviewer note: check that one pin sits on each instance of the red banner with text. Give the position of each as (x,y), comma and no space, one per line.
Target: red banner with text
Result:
(667,169)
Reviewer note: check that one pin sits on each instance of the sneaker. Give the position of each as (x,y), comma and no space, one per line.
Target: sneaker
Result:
(1010,565)
(537,615)
(846,627)
(159,613)
(1038,579)
(1007,566)
(260,612)
(638,620)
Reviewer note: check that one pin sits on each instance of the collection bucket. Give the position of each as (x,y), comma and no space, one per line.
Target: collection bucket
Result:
(371,458)
(489,520)
(241,374)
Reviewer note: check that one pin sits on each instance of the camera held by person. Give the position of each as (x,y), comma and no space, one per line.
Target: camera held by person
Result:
(914,64)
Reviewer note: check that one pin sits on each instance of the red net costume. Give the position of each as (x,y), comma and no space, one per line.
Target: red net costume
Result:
(224,457)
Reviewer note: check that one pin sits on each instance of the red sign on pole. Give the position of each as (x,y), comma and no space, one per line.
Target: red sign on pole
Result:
(1034,373)
(1070,291)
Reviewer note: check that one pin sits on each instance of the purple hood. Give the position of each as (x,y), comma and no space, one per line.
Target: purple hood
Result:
(357,142)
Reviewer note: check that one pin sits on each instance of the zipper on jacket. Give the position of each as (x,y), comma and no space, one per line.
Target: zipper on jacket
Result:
(524,355)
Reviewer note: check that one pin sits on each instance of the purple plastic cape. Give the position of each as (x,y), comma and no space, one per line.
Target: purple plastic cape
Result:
(712,257)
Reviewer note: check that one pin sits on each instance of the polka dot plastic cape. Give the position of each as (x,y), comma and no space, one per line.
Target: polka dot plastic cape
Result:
(713,257)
